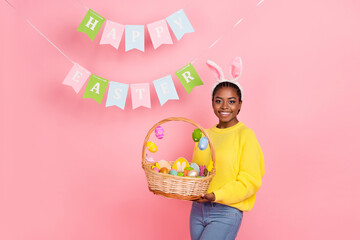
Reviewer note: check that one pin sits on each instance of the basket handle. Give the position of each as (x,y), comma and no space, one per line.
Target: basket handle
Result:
(184,120)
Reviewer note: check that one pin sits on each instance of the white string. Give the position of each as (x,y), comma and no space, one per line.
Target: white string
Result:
(82,4)
(218,40)
(259,2)
(41,33)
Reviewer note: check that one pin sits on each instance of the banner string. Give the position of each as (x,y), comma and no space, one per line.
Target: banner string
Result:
(193,61)
(41,33)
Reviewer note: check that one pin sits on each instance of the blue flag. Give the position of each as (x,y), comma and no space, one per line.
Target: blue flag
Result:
(134,37)
(165,89)
(117,95)
(179,24)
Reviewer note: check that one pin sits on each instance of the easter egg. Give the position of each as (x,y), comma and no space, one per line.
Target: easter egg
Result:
(159,132)
(164,170)
(151,146)
(180,174)
(163,163)
(173,172)
(155,165)
(180,164)
(155,169)
(202,168)
(186,172)
(196,135)
(195,167)
(203,143)
(206,172)
(192,173)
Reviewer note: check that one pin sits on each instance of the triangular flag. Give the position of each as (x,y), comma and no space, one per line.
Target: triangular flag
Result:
(165,89)
(159,33)
(96,88)
(189,77)
(117,95)
(76,77)
(140,95)
(112,34)
(91,24)
(179,24)
(134,37)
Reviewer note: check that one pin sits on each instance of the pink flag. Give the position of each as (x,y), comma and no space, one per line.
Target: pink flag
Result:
(140,95)
(159,33)
(112,34)
(76,77)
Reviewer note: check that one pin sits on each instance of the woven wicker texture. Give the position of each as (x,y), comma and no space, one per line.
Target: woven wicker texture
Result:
(184,188)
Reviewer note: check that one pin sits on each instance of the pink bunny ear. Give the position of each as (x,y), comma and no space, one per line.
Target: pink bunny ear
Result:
(215,69)
(236,68)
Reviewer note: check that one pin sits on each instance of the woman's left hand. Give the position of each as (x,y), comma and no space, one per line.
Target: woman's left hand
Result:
(209,197)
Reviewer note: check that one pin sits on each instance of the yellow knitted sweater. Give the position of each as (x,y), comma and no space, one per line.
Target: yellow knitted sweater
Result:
(239,165)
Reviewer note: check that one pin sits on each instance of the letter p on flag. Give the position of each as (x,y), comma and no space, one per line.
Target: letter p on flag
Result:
(91,24)
(189,77)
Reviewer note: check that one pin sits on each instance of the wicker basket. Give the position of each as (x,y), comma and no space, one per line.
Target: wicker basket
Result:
(184,188)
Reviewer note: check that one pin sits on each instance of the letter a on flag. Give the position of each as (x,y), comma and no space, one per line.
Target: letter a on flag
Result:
(189,77)
(96,88)
(91,24)
(112,34)
(76,77)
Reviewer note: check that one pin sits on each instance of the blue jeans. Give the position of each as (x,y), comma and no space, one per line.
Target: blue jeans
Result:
(214,221)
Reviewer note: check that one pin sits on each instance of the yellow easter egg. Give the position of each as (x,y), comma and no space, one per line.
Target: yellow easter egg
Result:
(180,164)
(151,146)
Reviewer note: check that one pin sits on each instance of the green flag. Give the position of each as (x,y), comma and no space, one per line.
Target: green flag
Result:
(188,77)
(91,24)
(96,88)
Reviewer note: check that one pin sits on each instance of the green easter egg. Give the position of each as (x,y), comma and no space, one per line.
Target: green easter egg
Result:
(196,135)
(181,174)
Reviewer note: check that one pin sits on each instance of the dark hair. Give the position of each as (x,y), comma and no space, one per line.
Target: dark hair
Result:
(227,84)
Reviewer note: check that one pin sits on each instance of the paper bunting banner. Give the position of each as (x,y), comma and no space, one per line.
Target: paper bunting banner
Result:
(96,88)
(159,33)
(179,24)
(165,89)
(76,77)
(140,95)
(117,95)
(91,24)
(134,37)
(189,77)
(112,34)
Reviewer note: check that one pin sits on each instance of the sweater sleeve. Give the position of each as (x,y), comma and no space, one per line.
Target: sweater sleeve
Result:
(248,180)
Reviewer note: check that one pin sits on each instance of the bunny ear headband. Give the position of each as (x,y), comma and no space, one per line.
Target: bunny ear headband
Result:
(235,73)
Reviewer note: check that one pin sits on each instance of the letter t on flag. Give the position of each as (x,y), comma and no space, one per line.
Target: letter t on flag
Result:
(140,95)
(189,77)
(91,24)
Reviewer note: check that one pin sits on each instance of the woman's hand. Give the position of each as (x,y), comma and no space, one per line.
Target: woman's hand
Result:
(209,197)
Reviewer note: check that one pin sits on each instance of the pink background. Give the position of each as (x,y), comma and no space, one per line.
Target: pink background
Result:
(71,168)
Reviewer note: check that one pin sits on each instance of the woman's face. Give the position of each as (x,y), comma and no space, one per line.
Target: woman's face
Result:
(226,106)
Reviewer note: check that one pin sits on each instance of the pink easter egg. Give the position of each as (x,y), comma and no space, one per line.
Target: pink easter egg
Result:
(159,132)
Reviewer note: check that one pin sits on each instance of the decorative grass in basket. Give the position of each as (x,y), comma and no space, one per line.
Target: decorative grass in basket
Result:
(173,186)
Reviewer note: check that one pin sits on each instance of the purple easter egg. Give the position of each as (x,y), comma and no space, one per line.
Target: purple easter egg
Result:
(159,132)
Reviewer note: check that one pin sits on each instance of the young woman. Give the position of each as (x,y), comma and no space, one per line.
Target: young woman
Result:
(239,164)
